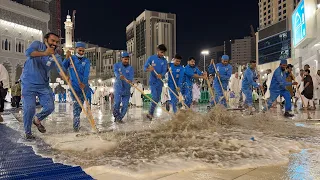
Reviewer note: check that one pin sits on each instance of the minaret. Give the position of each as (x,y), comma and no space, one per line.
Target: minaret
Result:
(68,26)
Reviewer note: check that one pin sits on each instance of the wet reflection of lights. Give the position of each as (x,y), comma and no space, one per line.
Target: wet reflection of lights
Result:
(300,125)
(158,111)
(304,165)
(100,117)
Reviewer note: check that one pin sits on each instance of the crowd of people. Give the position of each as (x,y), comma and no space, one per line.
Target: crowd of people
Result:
(171,83)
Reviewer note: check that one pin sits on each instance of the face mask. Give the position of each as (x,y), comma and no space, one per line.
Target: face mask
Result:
(80,56)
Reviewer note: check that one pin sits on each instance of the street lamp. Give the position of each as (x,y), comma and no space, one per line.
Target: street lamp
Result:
(204,53)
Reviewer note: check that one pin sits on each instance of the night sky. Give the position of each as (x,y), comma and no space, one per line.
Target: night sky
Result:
(200,24)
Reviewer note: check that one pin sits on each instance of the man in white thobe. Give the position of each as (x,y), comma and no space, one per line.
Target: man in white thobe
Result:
(234,89)
(137,95)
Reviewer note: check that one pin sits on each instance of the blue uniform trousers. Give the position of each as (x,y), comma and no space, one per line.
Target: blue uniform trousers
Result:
(29,105)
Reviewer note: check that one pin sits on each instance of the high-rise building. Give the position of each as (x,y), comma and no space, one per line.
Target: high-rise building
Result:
(241,51)
(274,11)
(144,35)
(109,58)
(273,39)
(95,54)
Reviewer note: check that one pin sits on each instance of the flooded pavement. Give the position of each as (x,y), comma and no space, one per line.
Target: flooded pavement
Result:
(237,147)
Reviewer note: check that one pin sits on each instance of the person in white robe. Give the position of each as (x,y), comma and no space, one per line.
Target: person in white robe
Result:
(96,94)
(268,82)
(234,89)
(195,92)
(299,80)
(137,95)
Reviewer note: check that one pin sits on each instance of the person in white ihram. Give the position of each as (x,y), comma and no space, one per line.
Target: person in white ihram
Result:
(234,88)
(136,97)
(4,86)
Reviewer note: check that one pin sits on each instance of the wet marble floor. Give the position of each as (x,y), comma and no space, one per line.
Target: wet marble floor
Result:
(302,166)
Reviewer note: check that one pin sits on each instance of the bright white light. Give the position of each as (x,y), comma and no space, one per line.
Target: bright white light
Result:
(113,80)
(20,27)
(111,90)
(318,6)
(317,45)
(99,80)
(205,52)
(92,81)
(261,70)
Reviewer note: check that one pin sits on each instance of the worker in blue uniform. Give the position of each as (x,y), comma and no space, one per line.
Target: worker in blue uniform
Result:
(224,71)
(248,81)
(82,68)
(35,82)
(278,87)
(190,73)
(158,64)
(177,73)
(123,72)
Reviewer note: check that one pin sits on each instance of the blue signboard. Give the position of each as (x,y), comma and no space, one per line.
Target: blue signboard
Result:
(299,24)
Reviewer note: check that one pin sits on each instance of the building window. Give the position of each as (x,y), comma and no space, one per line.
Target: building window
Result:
(279,1)
(284,5)
(279,7)
(280,19)
(6,44)
(265,8)
(269,17)
(268,6)
(265,14)
(284,17)
(284,11)
(280,13)
(269,11)
(19,46)
(269,22)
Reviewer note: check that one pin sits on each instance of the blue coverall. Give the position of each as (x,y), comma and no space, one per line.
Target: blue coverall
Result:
(177,73)
(121,89)
(278,87)
(225,72)
(188,80)
(247,83)
(89,95)
(35,82)
(83,69)
(160,65)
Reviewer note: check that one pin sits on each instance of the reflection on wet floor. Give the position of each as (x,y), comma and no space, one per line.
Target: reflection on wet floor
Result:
(304,165)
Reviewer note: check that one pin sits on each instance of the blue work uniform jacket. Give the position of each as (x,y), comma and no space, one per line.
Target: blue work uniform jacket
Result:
(278,81)
(248,79)
(36,70)
(177,73)
(224,71)
(160,65)
(189,72)
(83,69)
(121,86)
